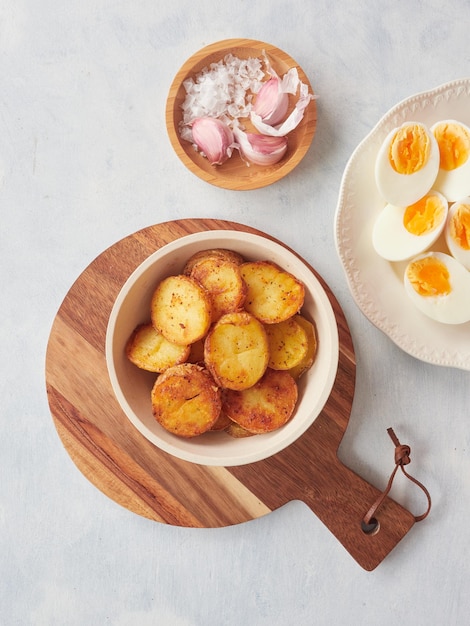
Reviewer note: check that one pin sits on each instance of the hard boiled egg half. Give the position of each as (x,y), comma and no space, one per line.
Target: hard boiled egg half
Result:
(457,231)
(400,233)
(407,164)
(453,178)
(439,286)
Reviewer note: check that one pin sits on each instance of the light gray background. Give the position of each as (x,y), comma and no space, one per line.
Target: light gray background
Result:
(84,161)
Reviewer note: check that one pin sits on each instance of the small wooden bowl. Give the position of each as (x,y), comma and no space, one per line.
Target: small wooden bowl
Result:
(234,173)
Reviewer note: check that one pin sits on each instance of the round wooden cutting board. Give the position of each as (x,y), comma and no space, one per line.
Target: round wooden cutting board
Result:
(124,465)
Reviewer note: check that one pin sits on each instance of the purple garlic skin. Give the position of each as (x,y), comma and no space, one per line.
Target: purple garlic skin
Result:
(271,103)
(213,138)
(260,149)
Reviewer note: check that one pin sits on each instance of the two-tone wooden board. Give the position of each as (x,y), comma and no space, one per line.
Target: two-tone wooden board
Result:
(120,462)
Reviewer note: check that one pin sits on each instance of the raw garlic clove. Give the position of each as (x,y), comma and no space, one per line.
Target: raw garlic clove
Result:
(293,119)
(271,102)
(213,138)
(260,149)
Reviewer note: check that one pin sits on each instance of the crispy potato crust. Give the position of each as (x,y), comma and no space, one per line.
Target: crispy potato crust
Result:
(148,349)
(213,253)
(309,358)
(266,406)
(273,294)
(237,432)
(236,350)
(222,279)
(223,422)
(181,309)
(185,400)
(288,344)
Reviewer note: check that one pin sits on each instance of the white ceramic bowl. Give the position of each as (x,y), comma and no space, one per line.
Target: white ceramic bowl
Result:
(132,386)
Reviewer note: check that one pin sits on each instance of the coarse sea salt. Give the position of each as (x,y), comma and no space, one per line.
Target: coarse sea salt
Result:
(223,90)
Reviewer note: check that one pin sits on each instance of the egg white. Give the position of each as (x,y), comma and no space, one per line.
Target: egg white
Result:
(393,242)
(462,255)
(405,189)
(453,184)
(453,308)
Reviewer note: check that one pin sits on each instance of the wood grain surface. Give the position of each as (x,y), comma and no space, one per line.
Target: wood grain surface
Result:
(125,466)
(234,173)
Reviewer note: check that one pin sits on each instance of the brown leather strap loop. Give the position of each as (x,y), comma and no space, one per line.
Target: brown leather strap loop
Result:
(402,458)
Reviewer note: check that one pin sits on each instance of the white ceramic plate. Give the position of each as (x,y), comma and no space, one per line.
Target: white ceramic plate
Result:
(132,386)
(376,284)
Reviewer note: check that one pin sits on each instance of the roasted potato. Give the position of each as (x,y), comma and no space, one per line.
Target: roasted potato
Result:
(213,253)
(237,432)
(228,342)
(309,358)
(223,422)
(148,349)
(288,344)
(264,407)
(222,279)
(273,294)
(236,350)
(181,309)
(185,400)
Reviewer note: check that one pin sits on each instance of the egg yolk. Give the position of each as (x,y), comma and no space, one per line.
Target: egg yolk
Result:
(460,227)
(429,277)
(424,216)
(409,149)
(454,145)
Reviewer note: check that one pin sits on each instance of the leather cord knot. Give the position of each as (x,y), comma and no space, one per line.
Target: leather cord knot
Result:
(402,455)
(402,458)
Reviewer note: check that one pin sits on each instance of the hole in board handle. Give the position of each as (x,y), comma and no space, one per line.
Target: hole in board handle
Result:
(371,528)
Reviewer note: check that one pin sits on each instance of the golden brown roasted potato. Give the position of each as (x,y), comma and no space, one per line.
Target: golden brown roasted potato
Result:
(223,422)
(264,407)
(236,350)
(181,309)
(309,358)
(222,279)
(237,432)
(148,349)
(288,344)
(273,294)
(228,343)
(185,400)
(213,253)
